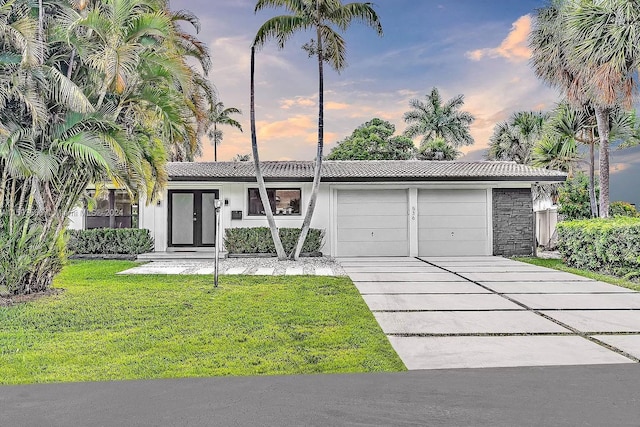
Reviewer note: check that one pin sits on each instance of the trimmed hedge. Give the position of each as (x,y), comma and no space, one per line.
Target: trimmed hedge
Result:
(604,245)
(130,241)
(257,240)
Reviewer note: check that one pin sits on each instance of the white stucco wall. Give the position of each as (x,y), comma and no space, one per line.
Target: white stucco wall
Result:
(154,217)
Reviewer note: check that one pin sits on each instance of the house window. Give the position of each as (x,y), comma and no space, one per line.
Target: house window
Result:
(283,201)
(114,209)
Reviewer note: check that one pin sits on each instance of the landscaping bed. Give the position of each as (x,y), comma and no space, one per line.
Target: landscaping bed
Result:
(108,327)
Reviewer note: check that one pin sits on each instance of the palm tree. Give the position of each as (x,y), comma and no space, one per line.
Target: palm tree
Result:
(218,115)
(437,119)
(262,189)
(242,158)
(567,126)
(53,139)
(514,139)
(438,149)
(323,16)
(588,49)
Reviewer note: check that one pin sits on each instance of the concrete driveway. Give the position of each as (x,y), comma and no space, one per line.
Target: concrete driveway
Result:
(473,312)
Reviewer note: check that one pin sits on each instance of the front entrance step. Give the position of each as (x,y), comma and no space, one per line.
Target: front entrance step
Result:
(181,256)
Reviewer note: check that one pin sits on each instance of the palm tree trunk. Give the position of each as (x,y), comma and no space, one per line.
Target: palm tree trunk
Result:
(41,30)
(275,235)
(3,187)
(306,224)
(592,177)
(602,118)
(215,143)
(72,59)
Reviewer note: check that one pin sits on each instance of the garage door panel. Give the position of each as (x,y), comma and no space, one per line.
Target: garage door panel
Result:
(455,196)
(346,197)
(373,208)
(459,235)
(372,223)
(445,248)
(462,208)
(373,249)
(453,222)
(372,235)
(357,222)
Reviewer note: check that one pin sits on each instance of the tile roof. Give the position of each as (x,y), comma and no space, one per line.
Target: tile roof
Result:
(359,170)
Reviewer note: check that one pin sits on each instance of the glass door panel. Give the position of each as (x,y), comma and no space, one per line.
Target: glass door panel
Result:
(208,219)
(182,218)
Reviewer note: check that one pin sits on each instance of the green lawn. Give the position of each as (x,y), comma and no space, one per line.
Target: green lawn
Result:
(107,327)
(559,265)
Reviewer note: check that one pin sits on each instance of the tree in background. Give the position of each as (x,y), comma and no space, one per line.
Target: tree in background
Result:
(437,149)
(242,158)
(588,50)
(568,127)
(513,140)
(434,118)
(326,18)
(220,116)
(374,140)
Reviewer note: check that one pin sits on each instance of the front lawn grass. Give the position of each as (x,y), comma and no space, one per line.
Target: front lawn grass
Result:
(108,327)
(557,264)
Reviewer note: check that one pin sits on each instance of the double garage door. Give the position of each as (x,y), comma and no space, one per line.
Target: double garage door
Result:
(376,223)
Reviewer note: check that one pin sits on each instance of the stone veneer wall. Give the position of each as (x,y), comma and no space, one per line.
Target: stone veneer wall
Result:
(513,232)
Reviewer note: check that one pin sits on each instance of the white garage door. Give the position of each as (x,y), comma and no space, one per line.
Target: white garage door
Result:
(452,222)
(372,223)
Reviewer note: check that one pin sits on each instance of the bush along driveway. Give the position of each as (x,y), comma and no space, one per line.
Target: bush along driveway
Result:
(474,312)
(109,327)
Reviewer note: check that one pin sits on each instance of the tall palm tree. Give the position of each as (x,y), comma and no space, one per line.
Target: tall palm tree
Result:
(588,49)
(326,18)
(262,189)
(434,118)
(218,115)
(514,139)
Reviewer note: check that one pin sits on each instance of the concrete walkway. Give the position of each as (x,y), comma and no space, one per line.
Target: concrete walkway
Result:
(474,312)
(250,266)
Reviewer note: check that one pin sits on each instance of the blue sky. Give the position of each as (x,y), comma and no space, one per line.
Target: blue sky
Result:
(473,47)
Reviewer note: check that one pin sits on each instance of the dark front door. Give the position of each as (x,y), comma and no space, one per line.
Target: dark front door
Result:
(192,218)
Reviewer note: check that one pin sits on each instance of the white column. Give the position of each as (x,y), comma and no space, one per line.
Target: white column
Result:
(413,222)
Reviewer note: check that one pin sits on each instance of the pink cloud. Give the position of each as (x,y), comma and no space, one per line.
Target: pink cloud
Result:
(515,47)
(298,101)
(296,126)
(336,106)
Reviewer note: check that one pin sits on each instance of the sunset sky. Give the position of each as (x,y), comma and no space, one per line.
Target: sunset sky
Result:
(473,47)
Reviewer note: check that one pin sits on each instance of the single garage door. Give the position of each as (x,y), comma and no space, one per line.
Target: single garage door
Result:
(452,222)
(372,223)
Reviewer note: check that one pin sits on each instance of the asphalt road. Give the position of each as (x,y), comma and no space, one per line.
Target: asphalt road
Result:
(602,395)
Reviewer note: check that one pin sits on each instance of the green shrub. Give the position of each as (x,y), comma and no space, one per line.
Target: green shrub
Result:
(258,240)
(130,241)
(573,197)
(604,245)
(623,209)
